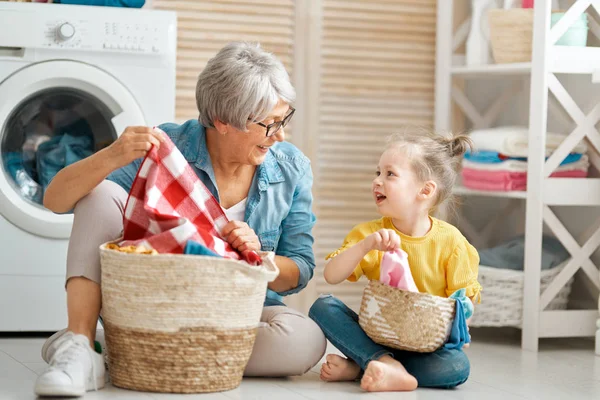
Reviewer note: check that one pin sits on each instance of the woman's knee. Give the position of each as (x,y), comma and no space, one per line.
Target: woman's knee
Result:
(106,198)
(288,344)
(310,344)
(98,218)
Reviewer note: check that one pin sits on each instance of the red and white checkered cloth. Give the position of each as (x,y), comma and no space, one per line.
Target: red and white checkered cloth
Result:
(169,205)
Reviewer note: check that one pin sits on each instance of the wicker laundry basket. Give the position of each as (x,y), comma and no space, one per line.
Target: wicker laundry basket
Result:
(503,301)
(404,320)
(180,323)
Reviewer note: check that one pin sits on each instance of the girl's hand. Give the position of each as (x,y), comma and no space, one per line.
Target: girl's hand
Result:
(383,240)
(133,143)
(240,236)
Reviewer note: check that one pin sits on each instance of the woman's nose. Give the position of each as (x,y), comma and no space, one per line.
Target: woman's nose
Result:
(279,136)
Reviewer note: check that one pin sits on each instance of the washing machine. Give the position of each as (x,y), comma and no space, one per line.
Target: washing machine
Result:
(71,79)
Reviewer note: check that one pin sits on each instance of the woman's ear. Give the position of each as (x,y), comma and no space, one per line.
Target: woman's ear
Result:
(428,191)
(221,127)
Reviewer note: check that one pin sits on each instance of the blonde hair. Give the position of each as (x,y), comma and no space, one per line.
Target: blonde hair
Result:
(433,156)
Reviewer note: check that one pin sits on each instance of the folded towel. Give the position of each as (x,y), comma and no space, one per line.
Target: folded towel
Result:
(492,186)
(107,3)
(395,271)
(515,165)
(513,141)
(511,254)
(570,158)
(494,157)
(168,205)
(459,333)
(506,180)
(484,157)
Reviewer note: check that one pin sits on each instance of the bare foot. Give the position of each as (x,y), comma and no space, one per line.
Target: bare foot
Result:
(339,369)
(387,375)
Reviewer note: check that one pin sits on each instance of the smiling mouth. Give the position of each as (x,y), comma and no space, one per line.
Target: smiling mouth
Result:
(379,198)
(264,147)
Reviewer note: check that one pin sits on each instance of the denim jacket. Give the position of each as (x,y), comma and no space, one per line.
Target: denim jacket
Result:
(279,205)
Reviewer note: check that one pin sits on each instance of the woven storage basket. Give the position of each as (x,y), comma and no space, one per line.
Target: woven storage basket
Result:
(502,303)
(511,34)
(180,323)
(404,320)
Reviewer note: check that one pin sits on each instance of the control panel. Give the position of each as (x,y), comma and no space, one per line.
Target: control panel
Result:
(108,36)
(98,29)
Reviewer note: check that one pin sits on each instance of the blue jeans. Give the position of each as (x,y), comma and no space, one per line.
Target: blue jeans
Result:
(444,368)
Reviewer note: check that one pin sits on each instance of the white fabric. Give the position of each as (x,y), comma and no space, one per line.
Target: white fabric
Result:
(237,212)
(513,141)
(582,164)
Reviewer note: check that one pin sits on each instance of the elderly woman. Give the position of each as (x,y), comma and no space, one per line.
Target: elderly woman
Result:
(264,185)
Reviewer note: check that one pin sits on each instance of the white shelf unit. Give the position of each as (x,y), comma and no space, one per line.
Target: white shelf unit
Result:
(543,192)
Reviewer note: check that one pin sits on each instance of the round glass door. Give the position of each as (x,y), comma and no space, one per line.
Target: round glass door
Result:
(53,114)
(49,131)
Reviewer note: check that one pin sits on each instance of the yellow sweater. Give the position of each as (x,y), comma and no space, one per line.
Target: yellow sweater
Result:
(441,262)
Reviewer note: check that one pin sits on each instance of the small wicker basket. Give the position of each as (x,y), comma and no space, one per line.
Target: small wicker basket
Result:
(403,320)
(180,323)
(511,34)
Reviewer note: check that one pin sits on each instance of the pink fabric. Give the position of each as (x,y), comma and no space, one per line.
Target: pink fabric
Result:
(169,205)
(506,180)
(395,271)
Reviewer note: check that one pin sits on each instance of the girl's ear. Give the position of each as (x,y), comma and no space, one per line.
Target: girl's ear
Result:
(428,191)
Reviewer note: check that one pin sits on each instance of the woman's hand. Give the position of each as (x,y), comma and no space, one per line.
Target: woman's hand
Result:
(133,143)
(383,240)
(240,236)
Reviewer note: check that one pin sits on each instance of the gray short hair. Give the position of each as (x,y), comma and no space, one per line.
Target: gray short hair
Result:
(242,81)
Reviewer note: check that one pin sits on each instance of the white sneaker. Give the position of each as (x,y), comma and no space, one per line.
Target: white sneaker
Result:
(49,346)
(74,368)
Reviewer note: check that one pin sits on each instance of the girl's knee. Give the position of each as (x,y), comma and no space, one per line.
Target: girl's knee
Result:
(456,371)
(443,369)
(323,305)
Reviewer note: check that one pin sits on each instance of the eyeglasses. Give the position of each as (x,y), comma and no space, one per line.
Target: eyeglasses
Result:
(276,126)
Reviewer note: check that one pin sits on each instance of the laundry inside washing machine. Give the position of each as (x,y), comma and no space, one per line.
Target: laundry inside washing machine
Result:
(48,131)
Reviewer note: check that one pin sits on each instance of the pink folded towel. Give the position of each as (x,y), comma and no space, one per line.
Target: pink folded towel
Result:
(395,271)
(506,180)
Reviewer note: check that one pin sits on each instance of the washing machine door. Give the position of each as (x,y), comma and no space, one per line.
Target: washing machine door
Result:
(53,114)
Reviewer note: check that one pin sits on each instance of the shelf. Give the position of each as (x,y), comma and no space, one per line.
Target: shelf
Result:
(574,60)
(463,191)
(568,323)
(556,192)
(562,60)
(491,70)
(571,191)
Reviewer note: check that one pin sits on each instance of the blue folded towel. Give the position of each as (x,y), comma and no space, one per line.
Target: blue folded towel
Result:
(107,3)
(459,334)
(198,249)
(484,157)
(493,157)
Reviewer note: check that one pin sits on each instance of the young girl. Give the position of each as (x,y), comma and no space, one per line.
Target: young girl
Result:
(415,175)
